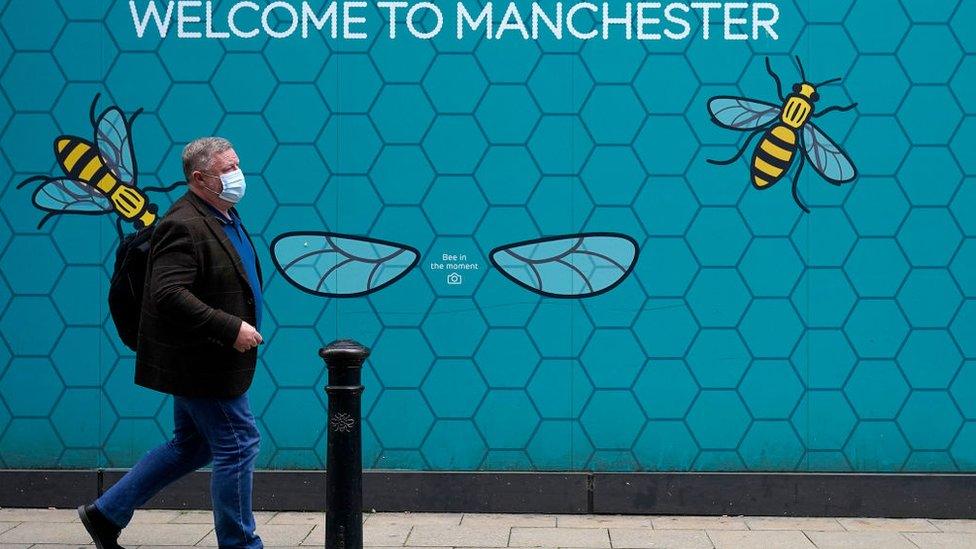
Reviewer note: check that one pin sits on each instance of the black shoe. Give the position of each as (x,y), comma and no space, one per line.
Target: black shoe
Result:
(103,532)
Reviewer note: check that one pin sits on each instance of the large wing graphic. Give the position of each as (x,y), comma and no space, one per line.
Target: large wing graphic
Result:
(570,266)
(338,265)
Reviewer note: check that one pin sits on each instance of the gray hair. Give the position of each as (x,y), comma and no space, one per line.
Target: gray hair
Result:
(198,154)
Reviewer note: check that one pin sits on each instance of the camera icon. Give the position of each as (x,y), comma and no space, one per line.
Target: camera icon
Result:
(455,279)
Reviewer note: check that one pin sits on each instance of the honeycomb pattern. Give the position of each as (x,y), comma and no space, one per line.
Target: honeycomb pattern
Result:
(750,337)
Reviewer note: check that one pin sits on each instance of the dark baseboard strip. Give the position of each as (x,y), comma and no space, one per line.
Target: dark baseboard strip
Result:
(47,487)
(774,494)
(392,491)
(794,494)
(489,492)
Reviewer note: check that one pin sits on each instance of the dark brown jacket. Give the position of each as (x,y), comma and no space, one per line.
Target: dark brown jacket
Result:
(195,297)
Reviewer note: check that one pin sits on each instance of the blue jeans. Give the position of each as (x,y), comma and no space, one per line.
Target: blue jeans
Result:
(221,430)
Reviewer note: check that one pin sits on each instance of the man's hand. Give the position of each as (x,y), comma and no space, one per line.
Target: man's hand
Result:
(247,338)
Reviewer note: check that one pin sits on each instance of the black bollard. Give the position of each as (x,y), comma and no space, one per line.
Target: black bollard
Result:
(344,452)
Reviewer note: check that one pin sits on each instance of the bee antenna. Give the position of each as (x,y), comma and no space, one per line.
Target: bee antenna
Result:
(803,74)
(828,82)
(91,110)
(33,179)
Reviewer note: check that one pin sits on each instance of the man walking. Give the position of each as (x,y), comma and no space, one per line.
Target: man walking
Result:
(198,338)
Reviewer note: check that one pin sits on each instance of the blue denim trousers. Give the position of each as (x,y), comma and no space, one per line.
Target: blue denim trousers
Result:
(205,429)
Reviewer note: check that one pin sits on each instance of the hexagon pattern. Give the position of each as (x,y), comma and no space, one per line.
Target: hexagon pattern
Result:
(751,336)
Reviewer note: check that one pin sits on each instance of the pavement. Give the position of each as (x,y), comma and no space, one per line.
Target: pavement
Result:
(61,528)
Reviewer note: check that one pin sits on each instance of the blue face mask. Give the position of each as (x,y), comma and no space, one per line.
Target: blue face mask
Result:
(233,186)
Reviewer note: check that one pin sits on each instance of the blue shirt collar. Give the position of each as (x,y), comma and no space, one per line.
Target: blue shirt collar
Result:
(220,217)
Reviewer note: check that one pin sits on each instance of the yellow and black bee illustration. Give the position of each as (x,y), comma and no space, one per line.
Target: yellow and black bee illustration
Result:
(785,128)
(100,176)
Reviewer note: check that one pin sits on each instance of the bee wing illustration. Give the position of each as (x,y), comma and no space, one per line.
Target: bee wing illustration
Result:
(338,265)
(569,266)
(826,156)
(115,144)
(739,113)
(70,196)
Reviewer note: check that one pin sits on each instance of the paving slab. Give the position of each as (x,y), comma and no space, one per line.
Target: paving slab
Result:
(699,523)
(271,534)
(44,532)
(60,546)
(39,515)
(264,517)
(955,525)
(415,519)
(644,538)
(771,539)
(153,516)
(373,535)
(952,540)
(196,516)
(886,524)
(205,516)
(484,519)
(860,540)
(814,524)
(603,521)
(159,534)
(559,537)
(296,517)
(429,535)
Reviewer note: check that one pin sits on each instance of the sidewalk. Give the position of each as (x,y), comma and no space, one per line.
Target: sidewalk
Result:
(57,528)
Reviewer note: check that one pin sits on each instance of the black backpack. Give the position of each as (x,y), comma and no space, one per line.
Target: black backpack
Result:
(128,279)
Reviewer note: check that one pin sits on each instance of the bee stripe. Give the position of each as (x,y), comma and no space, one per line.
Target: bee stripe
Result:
(780,143)
(76,153)
(760,182)
(100,172)
(767,168)
(106,183)
(772,160)
(90,169)
(81,164)
(785,134)
(775,150)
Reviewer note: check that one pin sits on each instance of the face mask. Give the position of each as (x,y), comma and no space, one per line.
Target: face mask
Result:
(233,186)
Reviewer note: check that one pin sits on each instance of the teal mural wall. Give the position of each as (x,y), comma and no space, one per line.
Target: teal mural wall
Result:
(749,336)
